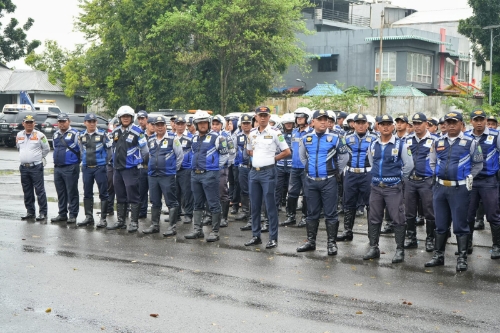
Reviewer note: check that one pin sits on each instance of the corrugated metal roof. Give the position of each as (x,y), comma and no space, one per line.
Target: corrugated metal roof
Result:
(405,37)
(324,90)
(30,80)
(435,16)
(404,91)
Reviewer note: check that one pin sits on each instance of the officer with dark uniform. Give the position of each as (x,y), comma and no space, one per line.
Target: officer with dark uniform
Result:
(94,145)
(66,169)
(419,184)
(492,122)
(458,159)
(142,119)
(244,164)
(297,174)
(166,157)
(262,145)
(325,156)
(183,177)
(33,147)
(210,154)
(129,146)
(358,175)
(110,172)
(284,166)
(485,184)
(391,161)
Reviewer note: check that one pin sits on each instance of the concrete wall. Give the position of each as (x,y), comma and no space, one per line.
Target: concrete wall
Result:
(65,103)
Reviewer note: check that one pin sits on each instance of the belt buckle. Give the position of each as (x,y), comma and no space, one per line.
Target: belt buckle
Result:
(381,184)
(447,183)
(357,170)
(257,168)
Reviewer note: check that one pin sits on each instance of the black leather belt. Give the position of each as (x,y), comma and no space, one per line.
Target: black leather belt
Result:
(62,165)
(417,178)
(263,168)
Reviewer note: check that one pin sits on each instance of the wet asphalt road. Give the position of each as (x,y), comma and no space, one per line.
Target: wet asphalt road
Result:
(97,280)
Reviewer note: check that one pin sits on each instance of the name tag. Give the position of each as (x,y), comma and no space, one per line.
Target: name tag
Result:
(207,139)
(352,140)
(428,143)
(368,139)
(97,138)
(395,152)
(268,137)
(440,148)
(296,139)
(489,139)
(462,142)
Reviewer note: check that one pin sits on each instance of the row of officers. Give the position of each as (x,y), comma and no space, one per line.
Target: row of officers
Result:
(373,164)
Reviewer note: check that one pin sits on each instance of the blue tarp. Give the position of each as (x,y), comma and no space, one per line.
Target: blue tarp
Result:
(324,90)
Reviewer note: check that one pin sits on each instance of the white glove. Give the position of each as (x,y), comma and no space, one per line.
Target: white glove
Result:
(468,182)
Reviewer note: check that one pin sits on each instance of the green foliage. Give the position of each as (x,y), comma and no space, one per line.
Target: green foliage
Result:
(350,101)
(385,87)
(51,60)
(495,91)
(468,104)
(13,42)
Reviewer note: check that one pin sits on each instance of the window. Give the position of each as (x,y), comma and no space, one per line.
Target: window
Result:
(389,66)
(449,71)
(419,68)
(328,64)
(463,71)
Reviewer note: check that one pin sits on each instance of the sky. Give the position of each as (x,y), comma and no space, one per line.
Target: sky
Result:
(54,19)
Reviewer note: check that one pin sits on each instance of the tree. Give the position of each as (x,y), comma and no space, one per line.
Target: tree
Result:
(51,60)
(13,42)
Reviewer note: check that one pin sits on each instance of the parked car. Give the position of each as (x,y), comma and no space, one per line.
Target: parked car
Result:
(76,121)
(11,123)
(49,107)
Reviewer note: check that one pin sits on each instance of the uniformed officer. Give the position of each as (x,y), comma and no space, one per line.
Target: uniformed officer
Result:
(432,125)
(401,126)
(244,164)
(232,176)
(142,120)
(458,160)
(297,175)
(209,157)
(110,172)
(492,122)
(183,177)
(263,142)
(341,116)
(419,184)
(95,147)
(66,169)
(166,157)
(358,174)
(129,146)
(485,184)
(33,147)
(284,166)
(390,160)
(325,156)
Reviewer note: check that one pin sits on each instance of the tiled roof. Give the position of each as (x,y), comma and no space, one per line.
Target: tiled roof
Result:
(324,90)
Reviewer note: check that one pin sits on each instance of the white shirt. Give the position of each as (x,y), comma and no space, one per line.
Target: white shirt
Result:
(264,145)
(33,148)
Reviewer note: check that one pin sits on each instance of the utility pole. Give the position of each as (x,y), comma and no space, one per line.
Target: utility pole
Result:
(491,27)
(381,64)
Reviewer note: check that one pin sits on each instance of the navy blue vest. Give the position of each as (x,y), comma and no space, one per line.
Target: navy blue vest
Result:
(206,154)
(420,152)
(359,149)
(387,163)
(94,148)
(488,145)
(453,161)
(322,154)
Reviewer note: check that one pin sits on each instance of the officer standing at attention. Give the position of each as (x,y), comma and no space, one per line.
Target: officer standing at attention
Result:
(66,169)
(284,166)
(110,171)
(129,146)
(263,142)
(485,185)
(95,146)
(183,176)
(142,119)
(166,156)
(419,183)
(458,159)
(358,175)
(341,116)
(391,161)
(244,164)
(297,174)
(325,156)
(33,147)
(209,157)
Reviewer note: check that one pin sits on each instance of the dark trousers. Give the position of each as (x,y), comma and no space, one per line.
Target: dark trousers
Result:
(163,185)
(32,181)
(205,189)
(282,181)
(415,190)
(356,185)
(234,184)
(126,182)
(184,193)
(111,188)
(66,182)
(486,190)
(99,175)
(243,179)
(451,203)
(322,195)
(263,189)
(390,197)
(223,190)
(143,191)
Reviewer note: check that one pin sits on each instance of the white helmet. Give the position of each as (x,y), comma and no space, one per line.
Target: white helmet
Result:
(371,121)
(199,116)
(302,112)
(350,117)
(331,115)
(221,120)
(276,119)
(125,110)
(287,118)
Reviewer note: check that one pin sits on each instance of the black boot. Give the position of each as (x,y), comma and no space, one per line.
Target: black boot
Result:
(470,245)
(155,221)
(88,205)
(462,243)
(399,236)
(332,228)
(291,208)
(373,236)
(411,227)
(121,212)
(495,235)
(216,221)
(349,217)
(234,208)
(430,229)
(387,229)
(225,212)
(104,212)
(172,228)
(303,221)
(243,214)
(198,229)
(134,217)
(111,207)
(312,231)
(439,247)
(207,219)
